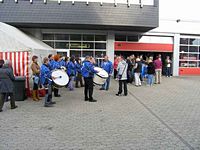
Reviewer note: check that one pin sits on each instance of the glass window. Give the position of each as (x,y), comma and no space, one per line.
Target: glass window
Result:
(51,44)
(61,37)
(88,45)
(75,45)
(183,48)
(75,37)
(193,49)
(48,36)
(100,38)
(100,45)
(133,38)
(61,45)
(99,54)
(120,37)
(87,53)
(184,41)
(76,53)
(88,37)
(183,64)
(193,56)
(184,56)
(193,64)
(194,42)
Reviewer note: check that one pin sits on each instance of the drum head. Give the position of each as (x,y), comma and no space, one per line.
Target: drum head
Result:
(62,78)
(101,72)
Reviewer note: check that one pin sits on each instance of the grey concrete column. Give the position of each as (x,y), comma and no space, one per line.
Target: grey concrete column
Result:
(110,46)
(176,55)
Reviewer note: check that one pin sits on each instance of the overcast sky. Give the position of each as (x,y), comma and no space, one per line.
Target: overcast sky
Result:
(180,9)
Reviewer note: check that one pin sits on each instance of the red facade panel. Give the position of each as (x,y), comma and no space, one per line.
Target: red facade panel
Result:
(189,71)
(151,47)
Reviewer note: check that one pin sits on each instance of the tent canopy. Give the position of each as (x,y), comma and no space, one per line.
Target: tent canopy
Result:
(13,39)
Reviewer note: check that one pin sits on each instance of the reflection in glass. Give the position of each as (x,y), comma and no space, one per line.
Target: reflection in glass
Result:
(61,37)
(75,37)
(133,38)
(120,37)
(194,42)
(100,54)
(75,45)
(51,44)
(88,45)
(48,36)
(193,49)
(184,41)
(193,64)
(100,38)
(183,64)
(75,53)
(193,56)
(183,48)
(183,56)
(100,45)
(88,37)
(87,53)
(62,45)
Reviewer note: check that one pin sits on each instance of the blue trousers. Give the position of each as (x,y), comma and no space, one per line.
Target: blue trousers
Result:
(150,79)
(107,84)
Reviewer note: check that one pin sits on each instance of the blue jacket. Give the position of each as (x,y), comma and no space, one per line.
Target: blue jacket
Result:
(78,67)
(87,69)
(62,63)
(71,69)
(45,73)
(56,65)
(107,66)
(51,62)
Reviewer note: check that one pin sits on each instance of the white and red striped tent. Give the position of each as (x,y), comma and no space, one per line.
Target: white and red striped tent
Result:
(19,47)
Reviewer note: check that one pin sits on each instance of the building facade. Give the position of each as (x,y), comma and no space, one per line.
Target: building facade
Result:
(108,27)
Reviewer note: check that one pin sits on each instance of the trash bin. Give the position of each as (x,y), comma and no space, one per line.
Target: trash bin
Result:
(20,88)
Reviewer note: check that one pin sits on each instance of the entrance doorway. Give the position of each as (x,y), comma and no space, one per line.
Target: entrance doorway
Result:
(147,54)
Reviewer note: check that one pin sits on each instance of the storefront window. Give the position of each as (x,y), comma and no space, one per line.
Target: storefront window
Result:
(120,37)
(79,45)
(189,52)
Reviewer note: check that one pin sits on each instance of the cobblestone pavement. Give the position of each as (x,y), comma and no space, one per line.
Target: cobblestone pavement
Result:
(162,117)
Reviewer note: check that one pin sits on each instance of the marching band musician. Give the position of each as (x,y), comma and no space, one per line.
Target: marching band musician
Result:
(56,65)
(51,61)
(78,73)
(45,75)
(71,71)
(88,71)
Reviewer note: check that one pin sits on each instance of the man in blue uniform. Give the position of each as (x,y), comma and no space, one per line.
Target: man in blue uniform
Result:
(88,71)
(45,76)
(108,67)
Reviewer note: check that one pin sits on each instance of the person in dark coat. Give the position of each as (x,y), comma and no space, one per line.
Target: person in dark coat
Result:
(151,72)
(6,84)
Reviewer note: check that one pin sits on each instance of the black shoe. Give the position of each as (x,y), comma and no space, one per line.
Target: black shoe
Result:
(86,99)
(1,110)
(52,102)
(125,94)
(118,94)
(101,89)
(57,95)
(92,100)
(14,107)
(48,105)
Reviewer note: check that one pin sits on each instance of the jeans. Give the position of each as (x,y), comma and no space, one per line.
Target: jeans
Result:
(168,71)
(158,75)
(150,79)
(121,82)
(48,96)
(71,83)
(137,79)
(107,84)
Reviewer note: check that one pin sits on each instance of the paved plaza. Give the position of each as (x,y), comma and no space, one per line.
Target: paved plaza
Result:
(162,117)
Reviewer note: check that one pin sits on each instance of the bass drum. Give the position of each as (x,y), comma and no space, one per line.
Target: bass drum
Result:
(61,78)
(100,77)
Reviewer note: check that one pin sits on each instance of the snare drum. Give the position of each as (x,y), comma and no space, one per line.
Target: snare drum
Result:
(61,78)
(100,77)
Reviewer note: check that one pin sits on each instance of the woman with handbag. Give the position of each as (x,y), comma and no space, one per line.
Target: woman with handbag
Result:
(36,79)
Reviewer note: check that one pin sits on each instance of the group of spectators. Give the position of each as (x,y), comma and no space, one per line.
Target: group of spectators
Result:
(139,69)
